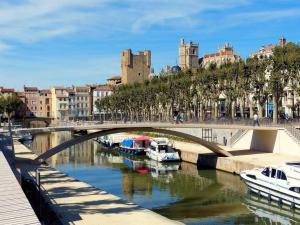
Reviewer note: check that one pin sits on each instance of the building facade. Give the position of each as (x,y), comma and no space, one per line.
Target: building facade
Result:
(60,103)
(4,92)
(267,50)
(225,55)
(135,68)
(44,108)
(79,103)
(188,55)
(99,93)
(114,81)
(32,101)
(38,102)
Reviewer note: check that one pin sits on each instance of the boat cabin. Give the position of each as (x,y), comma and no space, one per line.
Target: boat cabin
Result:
(161,145)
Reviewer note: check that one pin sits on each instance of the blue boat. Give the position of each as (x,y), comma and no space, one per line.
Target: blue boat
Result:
(135,146)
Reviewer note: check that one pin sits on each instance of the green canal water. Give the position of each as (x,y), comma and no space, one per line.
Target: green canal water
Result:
(178,191)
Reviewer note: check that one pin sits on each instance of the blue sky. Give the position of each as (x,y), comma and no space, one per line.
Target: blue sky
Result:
(64,42)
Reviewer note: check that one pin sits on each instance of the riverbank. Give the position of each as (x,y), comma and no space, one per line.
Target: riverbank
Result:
(76,202)
(242,159)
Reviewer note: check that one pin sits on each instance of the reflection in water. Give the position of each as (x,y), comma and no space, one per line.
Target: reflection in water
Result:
(270,213)
(178,190)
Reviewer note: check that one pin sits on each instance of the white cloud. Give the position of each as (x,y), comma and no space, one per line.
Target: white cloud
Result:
(4,47)
(34,20)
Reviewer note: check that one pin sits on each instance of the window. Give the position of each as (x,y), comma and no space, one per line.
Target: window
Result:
(266,172)
(273,173)
(163,148)
(281,175)
(295,189)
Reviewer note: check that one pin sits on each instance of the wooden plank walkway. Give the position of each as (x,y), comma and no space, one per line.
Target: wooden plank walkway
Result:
(14,206)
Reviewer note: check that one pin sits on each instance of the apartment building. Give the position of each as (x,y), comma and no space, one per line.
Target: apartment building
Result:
(60,103)
(79,103)
(99,93)
(32,101)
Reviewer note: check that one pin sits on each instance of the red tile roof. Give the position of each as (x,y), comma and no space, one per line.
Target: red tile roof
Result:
(103,88)
(7,90)
(217,54)
(30,88)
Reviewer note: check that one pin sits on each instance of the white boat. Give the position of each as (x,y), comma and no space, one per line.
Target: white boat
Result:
(279,182)
(111,141)
(161,150)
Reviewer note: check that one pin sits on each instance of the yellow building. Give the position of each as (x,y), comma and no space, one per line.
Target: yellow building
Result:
(60,103)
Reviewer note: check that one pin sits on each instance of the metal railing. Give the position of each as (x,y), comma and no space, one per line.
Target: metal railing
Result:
(294,132)
(237,136)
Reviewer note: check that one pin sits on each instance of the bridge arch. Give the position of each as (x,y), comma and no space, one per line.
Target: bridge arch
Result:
(213,147)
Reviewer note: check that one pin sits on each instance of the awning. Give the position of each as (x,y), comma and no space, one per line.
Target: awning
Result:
(142,138)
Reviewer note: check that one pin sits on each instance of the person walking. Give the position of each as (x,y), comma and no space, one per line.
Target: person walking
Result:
(255,120)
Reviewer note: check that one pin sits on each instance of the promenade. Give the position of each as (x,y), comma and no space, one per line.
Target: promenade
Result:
(14,207)
(241,159)
(76,202)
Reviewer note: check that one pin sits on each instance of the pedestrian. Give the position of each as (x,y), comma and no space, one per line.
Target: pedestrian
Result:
(175,115)
(255,120)
(225,140)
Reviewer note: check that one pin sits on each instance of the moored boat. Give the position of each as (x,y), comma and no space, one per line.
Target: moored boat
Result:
(161,149)
(26,137)
(134,146)
(279,182)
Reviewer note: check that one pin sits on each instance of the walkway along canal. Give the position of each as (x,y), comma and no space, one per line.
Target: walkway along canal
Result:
(76,202)
(180,192)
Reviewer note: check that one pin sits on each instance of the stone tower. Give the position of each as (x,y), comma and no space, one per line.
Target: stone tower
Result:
(188,55)
(135,68)
(282,41)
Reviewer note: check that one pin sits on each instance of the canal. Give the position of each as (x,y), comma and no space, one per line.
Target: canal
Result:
(178,191)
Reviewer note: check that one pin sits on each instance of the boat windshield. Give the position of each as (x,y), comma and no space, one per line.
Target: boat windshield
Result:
(266,172)
(163,148)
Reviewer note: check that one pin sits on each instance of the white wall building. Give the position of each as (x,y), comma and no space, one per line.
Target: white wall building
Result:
(99,93)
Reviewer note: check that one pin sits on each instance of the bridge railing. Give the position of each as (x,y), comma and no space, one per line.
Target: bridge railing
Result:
(265,122)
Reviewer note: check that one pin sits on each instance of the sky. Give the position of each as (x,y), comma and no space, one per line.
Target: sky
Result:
(76,42)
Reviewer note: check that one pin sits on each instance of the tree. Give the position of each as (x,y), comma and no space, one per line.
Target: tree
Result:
(9,105)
